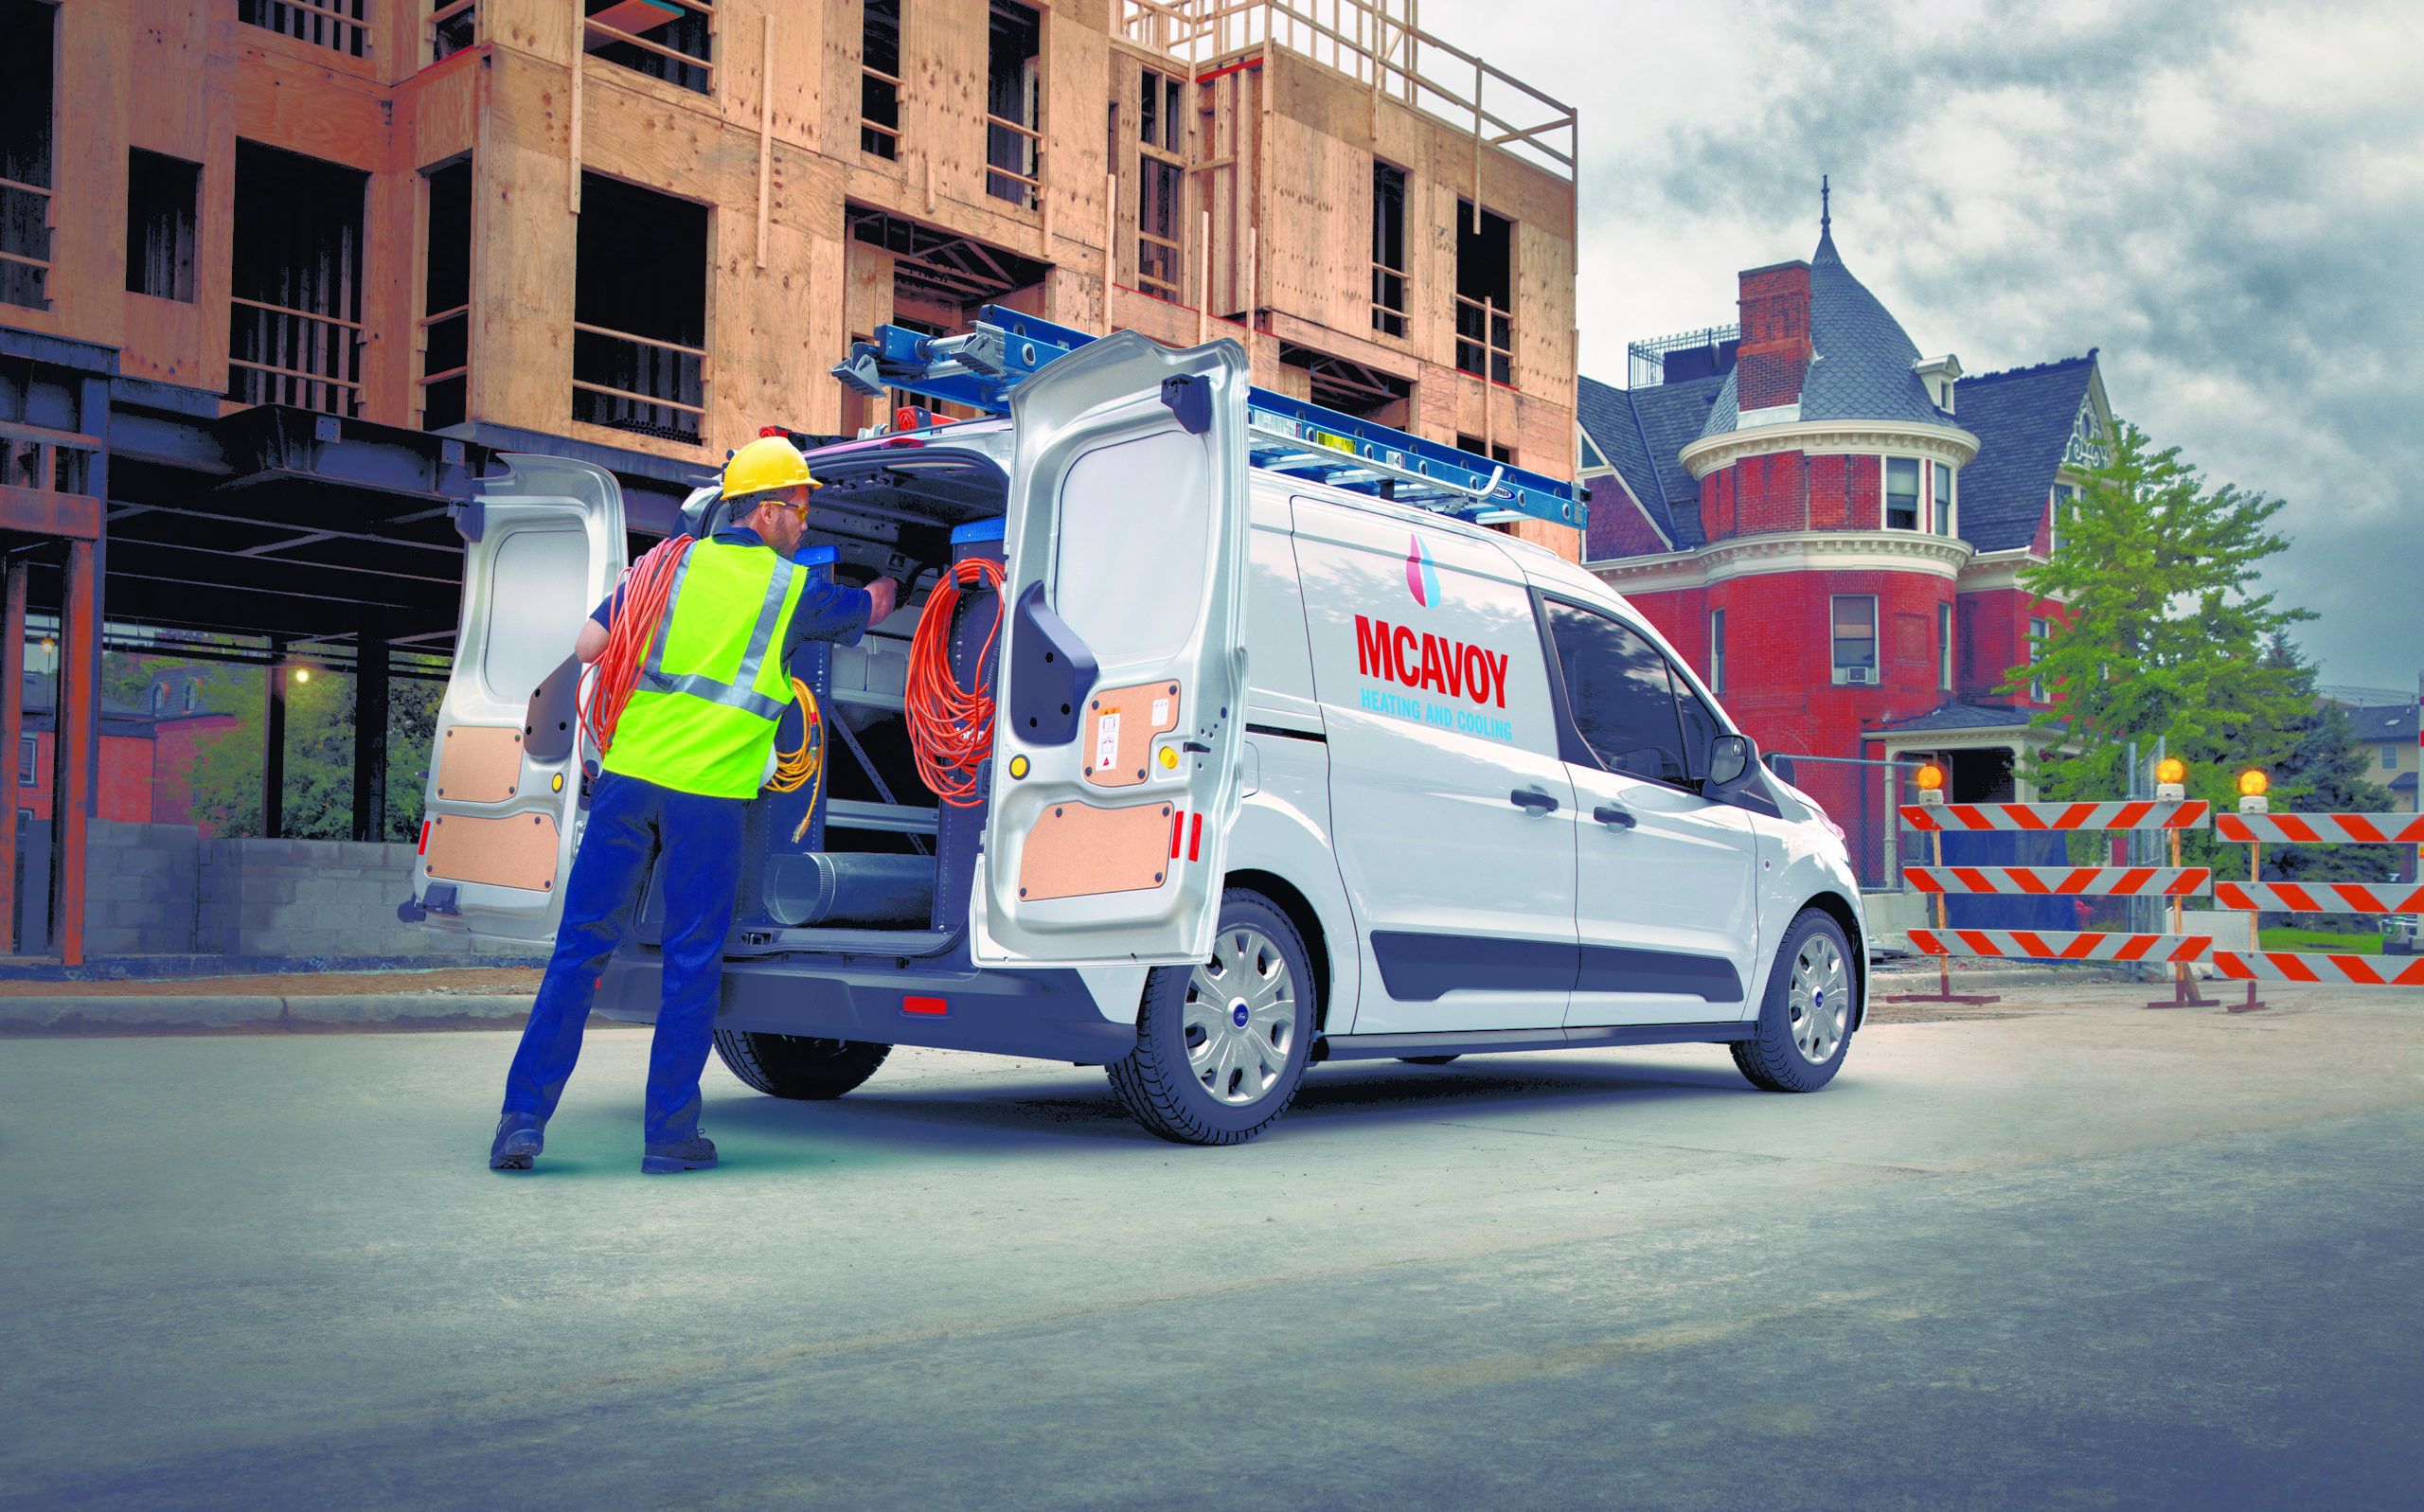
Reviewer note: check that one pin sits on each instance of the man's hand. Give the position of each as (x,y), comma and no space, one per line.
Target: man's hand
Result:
(887,596)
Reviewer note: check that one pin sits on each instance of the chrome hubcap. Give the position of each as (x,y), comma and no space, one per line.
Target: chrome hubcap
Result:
(1820,1001)
(1240,1018)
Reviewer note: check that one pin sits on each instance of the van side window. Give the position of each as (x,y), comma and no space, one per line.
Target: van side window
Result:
(1700,726)
(1617,688)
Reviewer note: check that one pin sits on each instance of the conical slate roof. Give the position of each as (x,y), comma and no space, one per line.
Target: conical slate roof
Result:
(1863,367)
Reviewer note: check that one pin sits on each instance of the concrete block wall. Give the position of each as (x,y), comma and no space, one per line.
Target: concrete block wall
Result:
(308,897)
(140,888)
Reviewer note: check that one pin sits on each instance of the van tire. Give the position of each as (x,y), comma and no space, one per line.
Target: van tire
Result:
(1159,1084)
(1800,1044)
(797,1066)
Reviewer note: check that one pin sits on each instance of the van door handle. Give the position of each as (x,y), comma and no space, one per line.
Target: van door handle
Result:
(1532,802)
(1613,817)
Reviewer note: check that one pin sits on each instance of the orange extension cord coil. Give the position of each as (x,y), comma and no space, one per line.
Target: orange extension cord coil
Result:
(950,728)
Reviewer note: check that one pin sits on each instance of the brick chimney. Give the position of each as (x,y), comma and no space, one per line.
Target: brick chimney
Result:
(1774,356)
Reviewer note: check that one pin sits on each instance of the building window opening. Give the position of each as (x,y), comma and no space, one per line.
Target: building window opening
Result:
(1349,387)
(1855,638)
(1902,493)
(1161,182)
(161,197)
(26,61)
(1481,448)
(640,311)
(28,761)
(1717,652)
(453,25)
(1388,249)
(1944,647)
(446,299)
(343,26)
(2039,632)
(662,39)
(1944,516)
(880,80)
(1014,105)
(1485,293)
(295,332)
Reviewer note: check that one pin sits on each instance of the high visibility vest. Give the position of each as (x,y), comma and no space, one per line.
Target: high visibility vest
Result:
(704,715)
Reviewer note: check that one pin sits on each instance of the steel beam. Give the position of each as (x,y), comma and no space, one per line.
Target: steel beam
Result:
(370,727)
(75,746)
(12,725)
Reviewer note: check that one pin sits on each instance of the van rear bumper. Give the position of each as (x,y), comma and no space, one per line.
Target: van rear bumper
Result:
(1045,1014)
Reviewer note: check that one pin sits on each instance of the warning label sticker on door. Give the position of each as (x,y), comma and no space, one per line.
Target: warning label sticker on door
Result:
(1106,738)
(1160,713)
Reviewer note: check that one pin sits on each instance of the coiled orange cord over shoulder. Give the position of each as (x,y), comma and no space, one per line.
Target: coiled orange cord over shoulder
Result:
(646,589)
(950,728)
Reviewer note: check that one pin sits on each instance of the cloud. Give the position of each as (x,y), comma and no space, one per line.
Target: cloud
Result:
(2227,200)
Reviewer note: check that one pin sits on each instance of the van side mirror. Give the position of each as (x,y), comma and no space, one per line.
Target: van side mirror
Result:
(1730,761)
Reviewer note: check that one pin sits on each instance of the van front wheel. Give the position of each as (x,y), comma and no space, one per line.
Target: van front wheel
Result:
(1806,1019)
(1221,1047)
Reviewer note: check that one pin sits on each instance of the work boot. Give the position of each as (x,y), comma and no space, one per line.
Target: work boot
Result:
(519,1136)
(697,1154)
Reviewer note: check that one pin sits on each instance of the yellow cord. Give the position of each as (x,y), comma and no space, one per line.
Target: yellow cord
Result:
(795,770)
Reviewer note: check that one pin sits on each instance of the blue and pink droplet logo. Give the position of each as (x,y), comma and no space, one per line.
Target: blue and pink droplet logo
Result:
(1421,579)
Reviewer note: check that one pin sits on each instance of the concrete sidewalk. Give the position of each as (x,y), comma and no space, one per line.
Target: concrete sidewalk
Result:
(451,997)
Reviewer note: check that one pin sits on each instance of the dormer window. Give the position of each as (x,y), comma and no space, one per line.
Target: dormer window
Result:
(1937,377)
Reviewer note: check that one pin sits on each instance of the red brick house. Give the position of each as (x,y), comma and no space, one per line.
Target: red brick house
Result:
(1830,525)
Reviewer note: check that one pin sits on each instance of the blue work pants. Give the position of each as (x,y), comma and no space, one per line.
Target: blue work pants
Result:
(630,822)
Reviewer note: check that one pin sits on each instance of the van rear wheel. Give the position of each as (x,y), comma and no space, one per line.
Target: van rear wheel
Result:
(1221,1047)
(798,1066)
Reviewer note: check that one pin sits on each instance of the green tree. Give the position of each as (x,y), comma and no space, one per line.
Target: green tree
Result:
(317,796)
(2165,633)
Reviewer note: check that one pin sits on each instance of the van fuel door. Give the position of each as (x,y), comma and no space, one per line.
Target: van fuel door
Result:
(1117,751)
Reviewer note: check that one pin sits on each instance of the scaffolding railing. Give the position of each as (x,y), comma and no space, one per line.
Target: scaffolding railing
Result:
(1486,334)
(638,383)
(1376,44)
(340,26)
(25,244)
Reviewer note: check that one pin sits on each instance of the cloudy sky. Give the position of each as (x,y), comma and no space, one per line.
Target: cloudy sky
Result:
(2227,199)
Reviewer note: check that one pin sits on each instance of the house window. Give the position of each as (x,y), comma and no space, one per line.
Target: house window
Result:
(880,80)
(2040,630)
(1717,652)
(1485,293)
(2390,758)
(446,299)
(161,194)
(1902,493)
(1944,647)
(341,24)
(1161,182)
(453,25)
(1014,105)
(159,697)
(2066,498)
(28,748)
(188,697)
(1944,516)
(26,211)
(640,311)
(1388,249)
(1854,619)
(1587,455)
(295,331)
(663,39)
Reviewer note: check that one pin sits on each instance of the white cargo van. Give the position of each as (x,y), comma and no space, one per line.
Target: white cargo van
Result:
(1281,773)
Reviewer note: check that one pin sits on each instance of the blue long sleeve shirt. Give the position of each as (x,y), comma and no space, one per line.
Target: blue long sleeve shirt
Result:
(827,611)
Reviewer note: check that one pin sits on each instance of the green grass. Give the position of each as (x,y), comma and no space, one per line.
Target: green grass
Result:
(2317,942)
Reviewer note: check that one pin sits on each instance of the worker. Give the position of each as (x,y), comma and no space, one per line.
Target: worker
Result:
(689,751)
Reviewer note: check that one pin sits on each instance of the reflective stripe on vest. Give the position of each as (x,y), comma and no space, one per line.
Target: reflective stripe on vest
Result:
(741,693)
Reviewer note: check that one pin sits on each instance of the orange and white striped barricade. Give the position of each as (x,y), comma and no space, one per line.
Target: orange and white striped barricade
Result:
(2288,965)
(2059,945)
(2042,817)
(2064,881)
(2253,896)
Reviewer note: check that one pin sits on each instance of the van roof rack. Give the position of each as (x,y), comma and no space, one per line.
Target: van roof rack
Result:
(980,367)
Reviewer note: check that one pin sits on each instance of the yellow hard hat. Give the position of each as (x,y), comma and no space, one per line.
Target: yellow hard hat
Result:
(767,462)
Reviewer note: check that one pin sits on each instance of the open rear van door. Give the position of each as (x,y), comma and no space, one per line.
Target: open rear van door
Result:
(543,544)
(1123,675)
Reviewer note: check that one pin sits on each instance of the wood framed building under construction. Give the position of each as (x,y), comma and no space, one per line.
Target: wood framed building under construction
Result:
(318,260)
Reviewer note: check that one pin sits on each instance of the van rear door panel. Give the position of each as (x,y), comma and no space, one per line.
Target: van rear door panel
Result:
(1436,701)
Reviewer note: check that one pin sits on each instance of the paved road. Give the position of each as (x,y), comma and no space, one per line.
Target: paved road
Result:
(2086,1256)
